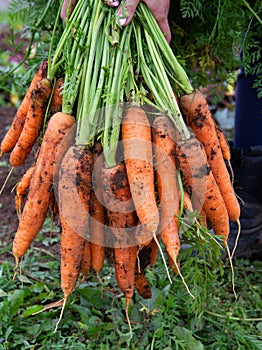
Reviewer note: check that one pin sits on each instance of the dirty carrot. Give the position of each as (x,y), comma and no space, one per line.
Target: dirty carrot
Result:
(57,97)
(12,136)
(198,116)
(97,214)
(36,206)
(122,221)
(137,144)
(22,188)
(167,184)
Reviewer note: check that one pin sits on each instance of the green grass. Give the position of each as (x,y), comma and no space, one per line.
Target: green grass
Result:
(94,315)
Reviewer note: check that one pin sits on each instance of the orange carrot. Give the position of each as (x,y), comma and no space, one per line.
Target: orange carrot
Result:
(22,188)
(142,286)
(38,198)
(73,194)
(167,184)
(122,221)
(194,167)
(86,261)
(12,136)
(136,136)
(33,122)
(97,214)
(72,252)
(56,101)
(198,116)
(225,149)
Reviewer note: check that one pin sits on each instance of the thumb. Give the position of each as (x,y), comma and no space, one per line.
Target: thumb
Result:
(164,26)
(127,11)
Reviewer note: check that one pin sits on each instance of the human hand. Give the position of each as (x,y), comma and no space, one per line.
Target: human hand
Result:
(65,6)
(158,8)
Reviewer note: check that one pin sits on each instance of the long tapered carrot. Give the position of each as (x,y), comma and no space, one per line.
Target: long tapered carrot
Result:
(198,116)
(84,185)
(167,184)
(122,221)
(73,192)
(38,198)
(97,213)
(33,122)
(22,188)
(137,143)
(12,136)
(194,167)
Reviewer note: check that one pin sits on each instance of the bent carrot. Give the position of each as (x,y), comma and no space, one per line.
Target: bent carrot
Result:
(38,198)
(12,136)
(138,157)
(198,116)
(33,122)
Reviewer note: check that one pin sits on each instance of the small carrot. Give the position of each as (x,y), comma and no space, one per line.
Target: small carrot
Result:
(38,198)
(225,149)
(142,285)
(86,261)
(97,214)
(198,116)
(12,136)
(21,189)
(33,122)
(138,157)
(57,97)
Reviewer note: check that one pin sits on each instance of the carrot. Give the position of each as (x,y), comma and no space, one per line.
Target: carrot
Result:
(122,221)
(38,198)
(73,194)
(56,101)
(194,167)
(84,185)
(198,116)
(72,247)
(142,286)
(22,188)
(97,215)
(138,157)
(72,253)
(12,136)
(119,206)
(33,122)
(86,261)
(74,190)
(167,184)
(223,143)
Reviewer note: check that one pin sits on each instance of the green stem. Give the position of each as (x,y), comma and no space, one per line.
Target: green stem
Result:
(146,17)
(74,64)
(245,3)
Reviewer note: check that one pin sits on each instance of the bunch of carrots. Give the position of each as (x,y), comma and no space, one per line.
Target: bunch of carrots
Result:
(126,144)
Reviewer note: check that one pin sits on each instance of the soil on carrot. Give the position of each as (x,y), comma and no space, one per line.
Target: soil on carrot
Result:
(8,216)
